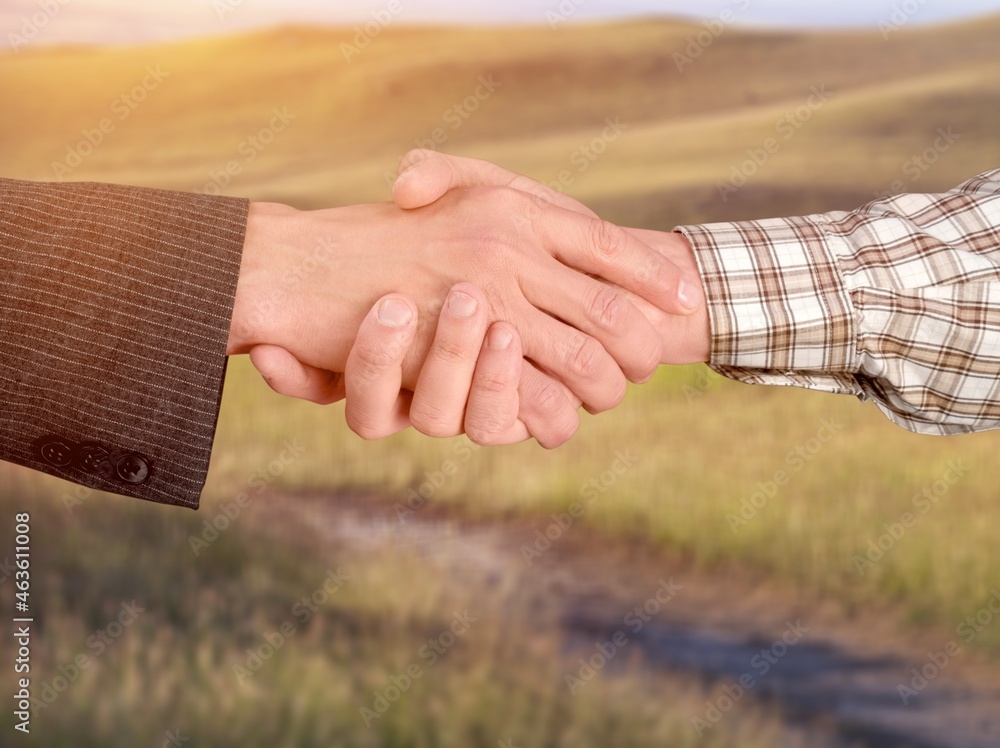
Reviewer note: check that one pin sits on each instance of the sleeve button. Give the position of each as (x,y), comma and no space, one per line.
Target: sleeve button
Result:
(56,451)
(132,468)
(93,458)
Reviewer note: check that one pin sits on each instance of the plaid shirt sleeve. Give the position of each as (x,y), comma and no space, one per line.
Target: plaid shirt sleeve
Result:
(897,302)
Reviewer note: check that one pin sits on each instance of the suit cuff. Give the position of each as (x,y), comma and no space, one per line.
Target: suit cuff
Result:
(125,299)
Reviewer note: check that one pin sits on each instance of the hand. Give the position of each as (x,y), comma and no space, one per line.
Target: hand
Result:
(507,241)
(468,384)
(425,176)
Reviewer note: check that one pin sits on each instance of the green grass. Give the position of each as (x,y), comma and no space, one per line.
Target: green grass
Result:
(173,668)
(703,445)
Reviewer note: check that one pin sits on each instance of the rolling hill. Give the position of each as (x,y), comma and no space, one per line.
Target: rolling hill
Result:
(692,107)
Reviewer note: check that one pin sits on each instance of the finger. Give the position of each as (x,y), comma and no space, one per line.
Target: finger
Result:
(602,311)
(574,358)
(548,412)
(425,176)
(376,405)
(491,417)
(445,378)
(286,375)
(600,248)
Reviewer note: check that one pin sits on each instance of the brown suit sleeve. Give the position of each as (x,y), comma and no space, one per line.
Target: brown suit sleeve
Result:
(115,307)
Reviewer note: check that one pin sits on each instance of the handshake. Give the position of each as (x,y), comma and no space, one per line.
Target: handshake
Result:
(481,302)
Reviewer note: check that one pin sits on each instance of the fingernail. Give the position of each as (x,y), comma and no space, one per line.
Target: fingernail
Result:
(687,295)
(461,304)
(394,313)
(500,338)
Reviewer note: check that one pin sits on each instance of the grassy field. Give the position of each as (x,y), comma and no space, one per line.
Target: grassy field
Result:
(223,651)
(702,447)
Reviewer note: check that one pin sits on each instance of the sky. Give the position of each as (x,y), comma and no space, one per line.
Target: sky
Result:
(126,21)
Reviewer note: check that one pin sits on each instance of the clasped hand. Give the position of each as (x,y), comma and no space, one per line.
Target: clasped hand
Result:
(480,302)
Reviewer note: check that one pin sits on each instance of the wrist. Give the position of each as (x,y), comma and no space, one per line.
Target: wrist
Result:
(257,300)
(308,278)
(696,343)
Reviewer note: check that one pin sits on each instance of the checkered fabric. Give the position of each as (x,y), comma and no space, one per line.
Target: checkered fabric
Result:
(897,302)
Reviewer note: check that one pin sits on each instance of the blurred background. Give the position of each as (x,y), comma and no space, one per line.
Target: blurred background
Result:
(711,564)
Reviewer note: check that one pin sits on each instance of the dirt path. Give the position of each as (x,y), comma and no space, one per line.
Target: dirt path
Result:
(833,680)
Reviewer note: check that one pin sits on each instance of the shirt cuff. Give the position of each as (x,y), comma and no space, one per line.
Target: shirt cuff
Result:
(778,307)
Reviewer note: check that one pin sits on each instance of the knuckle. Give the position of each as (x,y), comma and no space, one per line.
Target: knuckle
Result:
(375,358)
(519,205)
(483,438)
(362,427)
(607,239)
(559,433)
(485,429)
(430,419)
(563,433)
(493,382)
(549,399)
(452,351)
(607,308)
(322,398)
(656,273)
(645,369)
(620,388)
(586,358)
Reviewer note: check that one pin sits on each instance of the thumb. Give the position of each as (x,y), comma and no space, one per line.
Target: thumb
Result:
(425,176)
(286,375)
